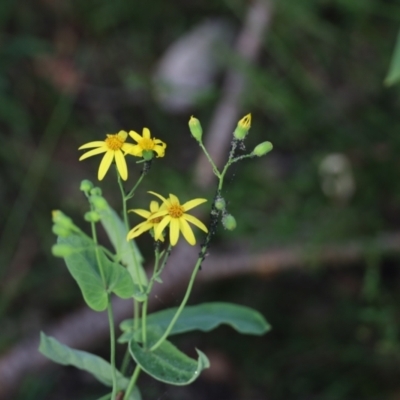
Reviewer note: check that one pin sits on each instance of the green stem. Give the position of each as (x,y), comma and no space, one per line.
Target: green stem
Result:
(125,216)
(132,192)
(132,382)
(183,304)
(110,315)
(136,315)
(112,348)
(145,303)
(214,167)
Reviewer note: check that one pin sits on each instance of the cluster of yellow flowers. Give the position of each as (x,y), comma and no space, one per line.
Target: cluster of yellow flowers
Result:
(116,148)
(170,212)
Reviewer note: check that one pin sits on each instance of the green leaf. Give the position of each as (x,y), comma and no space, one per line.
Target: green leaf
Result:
(62,354)
(98,367)
(393,75)
(167,363)
(83,266)
(205,317)
(127,250)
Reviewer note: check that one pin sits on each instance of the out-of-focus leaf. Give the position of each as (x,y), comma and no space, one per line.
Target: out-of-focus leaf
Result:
(393,75)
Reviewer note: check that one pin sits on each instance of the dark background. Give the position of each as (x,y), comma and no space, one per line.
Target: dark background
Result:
(72,71)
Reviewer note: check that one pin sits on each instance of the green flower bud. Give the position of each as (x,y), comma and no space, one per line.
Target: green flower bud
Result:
(59,218)
(62,250)
(86,186)
(99,203)
(262,149)
(61,231)
(243,127)
(92,216)
(195,128)
(148,155)
(96,191)
(220,203)
(229,222)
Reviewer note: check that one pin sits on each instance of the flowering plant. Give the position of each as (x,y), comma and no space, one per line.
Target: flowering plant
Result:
(102,273)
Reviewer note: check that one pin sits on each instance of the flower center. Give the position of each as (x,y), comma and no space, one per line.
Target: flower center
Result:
(114,142)
(147,144)
(176,211)
(155,220)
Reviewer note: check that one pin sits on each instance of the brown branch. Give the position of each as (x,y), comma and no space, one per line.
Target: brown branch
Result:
(85,328)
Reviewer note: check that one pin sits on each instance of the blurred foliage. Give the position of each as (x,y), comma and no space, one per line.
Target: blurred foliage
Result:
(71,71)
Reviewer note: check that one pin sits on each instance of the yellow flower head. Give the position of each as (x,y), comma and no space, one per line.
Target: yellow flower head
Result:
(146,143)
(245,122)
(150,223)
(242,127)
(113,146)
(174,214)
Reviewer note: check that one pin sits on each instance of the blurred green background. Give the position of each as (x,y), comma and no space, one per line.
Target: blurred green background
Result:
(73,70)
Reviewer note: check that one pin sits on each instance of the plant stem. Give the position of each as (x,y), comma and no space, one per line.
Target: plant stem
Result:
(112,348)
(110,315)
(132,382)
(184,301)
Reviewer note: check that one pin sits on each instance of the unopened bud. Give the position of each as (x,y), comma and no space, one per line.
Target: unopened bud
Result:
(61,231)
(195,128)
(229,222)
(62,250)
(86,186)
(92,216)
(96,191)
(59,218)
(242,127)
(220,203)
(148,155)
(99,203)
(262,149)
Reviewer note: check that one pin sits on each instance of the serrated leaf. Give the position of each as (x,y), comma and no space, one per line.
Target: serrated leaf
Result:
(167,363)
(83,266)
(205,317)
(127,250)
(393,75)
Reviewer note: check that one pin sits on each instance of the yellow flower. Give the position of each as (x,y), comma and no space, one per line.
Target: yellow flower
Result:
(146,143)
(113,146)
(242,127)
(150,223)
(174,214)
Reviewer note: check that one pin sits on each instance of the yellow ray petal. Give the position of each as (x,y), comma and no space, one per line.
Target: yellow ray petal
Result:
(143,213)
(187,231)
(193,203)
(195,221)
(154,206)
(139,229)
(173,199)
(161,226)
(92,144)
(121,164)
(173,231)
(93,152)
(164,200)
(135,136)
(105,164)
(159,151)
(146,133)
